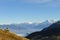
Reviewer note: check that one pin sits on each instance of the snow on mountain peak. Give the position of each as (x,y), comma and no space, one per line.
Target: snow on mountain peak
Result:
(30,22)
(50,21)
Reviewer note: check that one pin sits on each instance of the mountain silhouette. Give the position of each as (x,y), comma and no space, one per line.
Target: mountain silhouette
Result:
(50,33)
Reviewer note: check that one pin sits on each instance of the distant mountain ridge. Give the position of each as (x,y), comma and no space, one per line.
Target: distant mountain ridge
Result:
(50,33)
(24,28)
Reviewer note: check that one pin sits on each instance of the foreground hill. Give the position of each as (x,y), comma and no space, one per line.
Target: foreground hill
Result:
(6,35)
(50,33)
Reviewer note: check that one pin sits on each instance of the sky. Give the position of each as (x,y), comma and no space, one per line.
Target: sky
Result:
(19,11)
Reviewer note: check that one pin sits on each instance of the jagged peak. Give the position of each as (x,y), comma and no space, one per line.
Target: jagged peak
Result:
(50,21)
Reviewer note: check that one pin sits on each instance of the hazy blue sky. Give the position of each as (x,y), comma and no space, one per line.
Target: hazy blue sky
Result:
(18,11)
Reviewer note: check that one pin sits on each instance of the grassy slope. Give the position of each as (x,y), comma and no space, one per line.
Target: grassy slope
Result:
(6,35)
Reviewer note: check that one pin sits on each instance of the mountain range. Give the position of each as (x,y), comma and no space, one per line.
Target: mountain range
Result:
(24,29)
(49,33)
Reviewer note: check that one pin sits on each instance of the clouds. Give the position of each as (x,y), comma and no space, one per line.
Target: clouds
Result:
(54,3)
(36,1)
(46,2)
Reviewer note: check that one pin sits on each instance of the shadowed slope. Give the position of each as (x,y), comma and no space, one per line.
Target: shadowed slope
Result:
(50,33)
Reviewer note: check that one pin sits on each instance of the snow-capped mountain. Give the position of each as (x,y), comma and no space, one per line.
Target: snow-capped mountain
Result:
(44,24)
(27,28)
